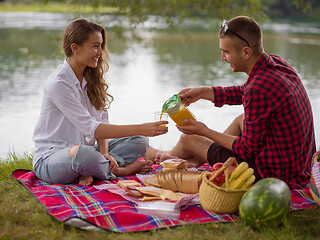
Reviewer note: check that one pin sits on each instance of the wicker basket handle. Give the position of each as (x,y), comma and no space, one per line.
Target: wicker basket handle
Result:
(225,168)
(220,170)
(228,163)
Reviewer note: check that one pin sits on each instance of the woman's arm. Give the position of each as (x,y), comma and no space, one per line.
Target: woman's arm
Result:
(103,145)
(65,99)
(106,131)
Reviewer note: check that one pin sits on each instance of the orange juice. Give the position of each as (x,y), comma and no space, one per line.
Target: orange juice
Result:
(160,120)
(179,116)
(160,116)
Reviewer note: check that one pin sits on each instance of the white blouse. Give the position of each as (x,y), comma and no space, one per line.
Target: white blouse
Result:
(67,117)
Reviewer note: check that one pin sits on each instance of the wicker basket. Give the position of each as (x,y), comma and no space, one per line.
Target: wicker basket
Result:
(218,199)
(316,197)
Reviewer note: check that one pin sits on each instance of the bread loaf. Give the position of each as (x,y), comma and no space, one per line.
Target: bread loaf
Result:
(177,181)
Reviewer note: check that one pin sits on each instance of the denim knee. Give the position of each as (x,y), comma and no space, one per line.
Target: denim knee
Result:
(142,143)
(89,162)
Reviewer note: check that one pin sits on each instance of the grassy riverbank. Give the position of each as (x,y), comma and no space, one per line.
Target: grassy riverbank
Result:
(22,217)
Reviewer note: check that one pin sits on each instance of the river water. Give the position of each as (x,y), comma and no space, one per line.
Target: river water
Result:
(143,73)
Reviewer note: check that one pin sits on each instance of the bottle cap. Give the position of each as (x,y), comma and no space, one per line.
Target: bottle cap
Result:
(172,105)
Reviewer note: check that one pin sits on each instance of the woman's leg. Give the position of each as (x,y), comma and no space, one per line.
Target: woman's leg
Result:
(127,150)
(88,162)
(68,165)
(56,168)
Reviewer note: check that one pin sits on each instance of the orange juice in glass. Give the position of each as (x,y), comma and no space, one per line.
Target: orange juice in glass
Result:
(160,116)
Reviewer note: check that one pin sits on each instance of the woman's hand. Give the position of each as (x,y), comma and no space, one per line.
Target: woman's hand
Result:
(154,129)
(113,165)
(191,95)
(194,127)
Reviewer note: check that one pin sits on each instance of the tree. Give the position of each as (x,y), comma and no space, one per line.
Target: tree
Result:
(176,11)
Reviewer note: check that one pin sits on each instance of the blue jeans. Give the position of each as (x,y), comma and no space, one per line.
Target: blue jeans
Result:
(59,168)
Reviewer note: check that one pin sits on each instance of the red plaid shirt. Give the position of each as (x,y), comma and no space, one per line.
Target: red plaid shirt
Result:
(278,132)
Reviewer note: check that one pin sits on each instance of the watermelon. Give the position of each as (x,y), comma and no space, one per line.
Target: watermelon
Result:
(266,204)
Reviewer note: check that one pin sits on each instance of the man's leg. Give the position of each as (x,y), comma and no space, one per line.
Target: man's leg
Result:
(192,148)
(236,126)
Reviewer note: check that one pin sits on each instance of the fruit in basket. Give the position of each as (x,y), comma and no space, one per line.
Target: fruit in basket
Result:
(220,179)
(217,166)
(241,180)
(241,177)
(239,170)
(248,182)
(232,168)
(267,203)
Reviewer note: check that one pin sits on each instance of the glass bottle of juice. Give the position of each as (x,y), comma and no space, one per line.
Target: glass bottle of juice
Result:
(177,111)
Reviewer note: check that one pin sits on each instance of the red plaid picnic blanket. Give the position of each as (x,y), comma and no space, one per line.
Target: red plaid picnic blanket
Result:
(93,208)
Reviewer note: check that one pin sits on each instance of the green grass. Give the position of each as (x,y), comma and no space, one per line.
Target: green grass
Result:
(22,217)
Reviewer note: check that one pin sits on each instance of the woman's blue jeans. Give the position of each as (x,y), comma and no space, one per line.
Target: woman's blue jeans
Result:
(59,168)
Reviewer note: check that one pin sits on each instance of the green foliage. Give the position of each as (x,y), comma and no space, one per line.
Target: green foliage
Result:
(302,4)
(175,11)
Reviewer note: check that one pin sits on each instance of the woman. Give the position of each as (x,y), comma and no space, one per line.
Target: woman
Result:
(74,117)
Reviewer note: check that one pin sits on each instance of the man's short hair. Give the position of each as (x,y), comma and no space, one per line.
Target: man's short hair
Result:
(248,29)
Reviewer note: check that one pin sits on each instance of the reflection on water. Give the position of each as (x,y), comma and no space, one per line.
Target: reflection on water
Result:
(143,74)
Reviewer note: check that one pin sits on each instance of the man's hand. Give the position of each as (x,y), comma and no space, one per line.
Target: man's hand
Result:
(191,95)
(194,127)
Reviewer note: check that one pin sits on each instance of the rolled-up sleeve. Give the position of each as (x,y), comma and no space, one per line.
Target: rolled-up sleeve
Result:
(227,95)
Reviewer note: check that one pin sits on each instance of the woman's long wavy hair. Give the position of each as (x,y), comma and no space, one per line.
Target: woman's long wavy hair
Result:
(78,32)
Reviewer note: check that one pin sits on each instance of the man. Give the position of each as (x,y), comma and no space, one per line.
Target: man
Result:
(275,134)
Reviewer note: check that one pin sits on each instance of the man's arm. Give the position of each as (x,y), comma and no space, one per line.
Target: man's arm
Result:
(191,95)
(200,128)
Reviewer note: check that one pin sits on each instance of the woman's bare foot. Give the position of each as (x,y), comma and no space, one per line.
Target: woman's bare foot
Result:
(85,180)
(142,167)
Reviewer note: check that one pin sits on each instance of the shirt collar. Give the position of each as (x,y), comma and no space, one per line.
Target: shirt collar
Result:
(72,76)
(261,61)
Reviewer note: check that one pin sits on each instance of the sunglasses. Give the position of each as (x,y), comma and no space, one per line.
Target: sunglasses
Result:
(224,26)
